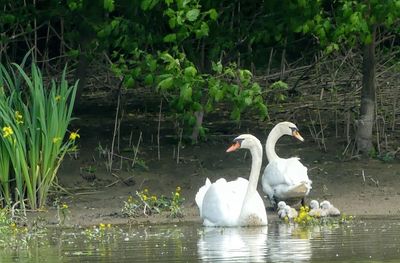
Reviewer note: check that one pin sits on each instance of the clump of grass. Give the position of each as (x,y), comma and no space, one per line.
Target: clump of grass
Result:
(33,141)
(146,203)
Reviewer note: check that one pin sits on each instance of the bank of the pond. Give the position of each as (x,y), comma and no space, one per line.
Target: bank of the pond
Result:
(361,188)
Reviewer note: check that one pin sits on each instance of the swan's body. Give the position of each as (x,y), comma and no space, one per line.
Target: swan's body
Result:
(329,209)
(284,179)
(234,203)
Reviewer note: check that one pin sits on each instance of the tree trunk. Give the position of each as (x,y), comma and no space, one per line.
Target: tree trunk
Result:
(367,110)
(196,129)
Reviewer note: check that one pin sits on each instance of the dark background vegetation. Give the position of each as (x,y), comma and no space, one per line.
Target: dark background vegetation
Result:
(332,66)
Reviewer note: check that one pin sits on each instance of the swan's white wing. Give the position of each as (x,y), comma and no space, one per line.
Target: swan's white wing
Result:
(294,171)
(200,194)
(223,201)
(282,175)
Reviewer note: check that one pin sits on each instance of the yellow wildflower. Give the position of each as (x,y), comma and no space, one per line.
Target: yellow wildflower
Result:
(64,206)
(145,190)
(18,117)
(154,198)
(56,139)
(144,197)
(109,225)
(177,195)
(58,98)
(73,136)
(7,131)
(178,189)
(102,226)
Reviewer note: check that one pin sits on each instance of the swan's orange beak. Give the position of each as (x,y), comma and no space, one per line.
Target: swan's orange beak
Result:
(297,135)
(234,147)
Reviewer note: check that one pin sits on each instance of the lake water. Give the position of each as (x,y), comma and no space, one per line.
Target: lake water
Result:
(367,240)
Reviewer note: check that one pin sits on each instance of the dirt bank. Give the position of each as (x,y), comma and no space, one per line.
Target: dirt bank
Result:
(367,187)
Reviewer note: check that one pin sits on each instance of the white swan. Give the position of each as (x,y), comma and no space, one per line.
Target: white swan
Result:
(235,203)
(284,179)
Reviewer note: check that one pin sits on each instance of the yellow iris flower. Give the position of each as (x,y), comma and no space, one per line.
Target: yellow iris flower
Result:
(73,136)
(7,131)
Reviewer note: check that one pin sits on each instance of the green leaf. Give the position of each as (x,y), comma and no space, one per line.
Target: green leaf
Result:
(8,18)
(217,67)
(203,31)
(213,14)
(209,106)
(129,82)
(149,79)
(190,71)
(165,84)
(186,92)
(219,95)
(193,14)
(170,38)
(109,5)
(145,4)
(248,101)
(235,114)
(172,22)
(197,106)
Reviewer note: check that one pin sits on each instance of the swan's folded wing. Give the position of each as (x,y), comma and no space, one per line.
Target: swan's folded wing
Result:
(223,201)
(285,171)
(200,194)
(295,171)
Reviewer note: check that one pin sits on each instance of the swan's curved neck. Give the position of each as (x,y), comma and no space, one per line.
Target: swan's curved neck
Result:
(273,137)
(256,161)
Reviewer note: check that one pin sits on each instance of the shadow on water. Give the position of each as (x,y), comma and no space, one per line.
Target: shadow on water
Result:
(369,240)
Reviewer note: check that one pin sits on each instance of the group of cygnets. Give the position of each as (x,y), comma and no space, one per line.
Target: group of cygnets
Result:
(316,210)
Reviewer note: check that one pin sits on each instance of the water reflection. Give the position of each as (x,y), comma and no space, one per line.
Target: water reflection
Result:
(290,243)
(245,244)
(367,240)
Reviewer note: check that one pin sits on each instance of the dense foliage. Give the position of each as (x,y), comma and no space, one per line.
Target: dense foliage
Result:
(195,54)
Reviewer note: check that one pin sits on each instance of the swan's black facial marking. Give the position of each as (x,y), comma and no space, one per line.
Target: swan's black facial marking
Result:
(238,140)
(294,129)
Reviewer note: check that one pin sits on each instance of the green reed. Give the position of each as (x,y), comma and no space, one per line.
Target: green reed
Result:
(34,121)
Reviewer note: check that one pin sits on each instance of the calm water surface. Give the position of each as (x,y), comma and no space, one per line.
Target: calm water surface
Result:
(369,240)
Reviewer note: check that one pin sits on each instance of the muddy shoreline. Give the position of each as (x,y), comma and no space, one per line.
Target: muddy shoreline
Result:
(357,187)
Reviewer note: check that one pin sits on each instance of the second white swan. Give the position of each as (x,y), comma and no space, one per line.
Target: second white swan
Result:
(234,203)
(284,179)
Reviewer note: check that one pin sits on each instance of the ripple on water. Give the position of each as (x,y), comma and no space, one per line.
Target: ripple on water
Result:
(373,239)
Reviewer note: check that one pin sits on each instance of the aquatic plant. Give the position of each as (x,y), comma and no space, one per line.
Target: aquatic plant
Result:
(34,121)
(147,203)
(62,211)
(304,219)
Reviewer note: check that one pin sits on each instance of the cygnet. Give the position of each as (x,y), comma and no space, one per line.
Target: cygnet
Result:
(329,208)
(315,210)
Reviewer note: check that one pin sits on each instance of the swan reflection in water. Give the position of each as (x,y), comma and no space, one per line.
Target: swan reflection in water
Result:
(286,243)
(244,244)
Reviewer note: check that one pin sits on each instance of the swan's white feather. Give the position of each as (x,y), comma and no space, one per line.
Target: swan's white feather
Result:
(286,178)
